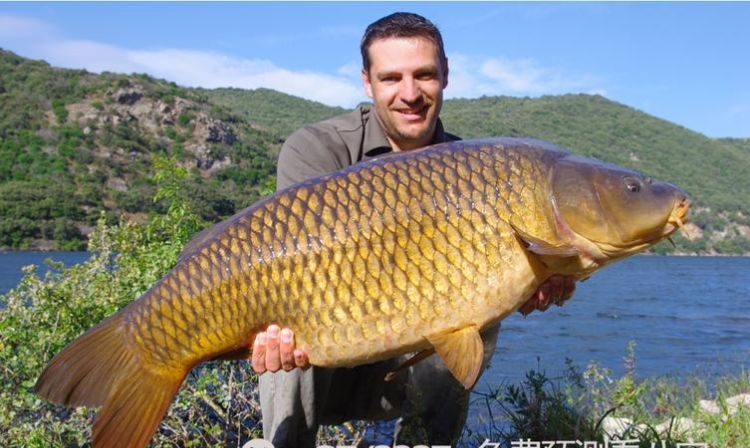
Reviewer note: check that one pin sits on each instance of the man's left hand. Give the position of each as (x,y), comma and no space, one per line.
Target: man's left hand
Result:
(557,289)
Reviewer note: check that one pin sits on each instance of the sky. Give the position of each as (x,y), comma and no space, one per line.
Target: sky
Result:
(687,63)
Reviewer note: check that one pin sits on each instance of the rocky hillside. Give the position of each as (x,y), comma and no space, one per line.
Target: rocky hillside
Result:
(73,143)
(276,112)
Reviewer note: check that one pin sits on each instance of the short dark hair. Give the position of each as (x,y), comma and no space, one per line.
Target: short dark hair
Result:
(400,24)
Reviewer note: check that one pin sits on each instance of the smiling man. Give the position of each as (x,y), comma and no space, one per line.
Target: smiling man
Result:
(405,80)
(404,72)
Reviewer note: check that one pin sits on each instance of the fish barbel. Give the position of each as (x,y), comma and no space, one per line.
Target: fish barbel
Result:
(413,251)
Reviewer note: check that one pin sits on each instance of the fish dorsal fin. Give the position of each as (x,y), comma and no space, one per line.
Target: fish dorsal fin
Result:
(462,352)
(541,247)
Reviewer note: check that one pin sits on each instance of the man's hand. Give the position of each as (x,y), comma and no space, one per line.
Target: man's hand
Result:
(557,289)
(274,350)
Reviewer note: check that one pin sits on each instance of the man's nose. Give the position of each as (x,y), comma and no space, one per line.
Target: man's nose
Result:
(410,91)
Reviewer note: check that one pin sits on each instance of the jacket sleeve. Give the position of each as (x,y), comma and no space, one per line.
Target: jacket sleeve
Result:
(305,154)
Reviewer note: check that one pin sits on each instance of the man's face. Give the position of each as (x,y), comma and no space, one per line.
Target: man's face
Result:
(406,82)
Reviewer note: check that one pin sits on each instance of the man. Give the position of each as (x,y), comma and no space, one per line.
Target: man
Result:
(405,71)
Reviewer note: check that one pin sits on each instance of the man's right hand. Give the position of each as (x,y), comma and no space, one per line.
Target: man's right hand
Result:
(274,350)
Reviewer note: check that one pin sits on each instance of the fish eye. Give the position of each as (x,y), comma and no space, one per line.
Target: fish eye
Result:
(633,185)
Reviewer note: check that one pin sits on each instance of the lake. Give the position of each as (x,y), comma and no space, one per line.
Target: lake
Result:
(12,262)
(686,315)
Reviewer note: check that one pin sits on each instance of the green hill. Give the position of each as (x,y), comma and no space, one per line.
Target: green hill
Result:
(74,143)
(276,112)
(743,144)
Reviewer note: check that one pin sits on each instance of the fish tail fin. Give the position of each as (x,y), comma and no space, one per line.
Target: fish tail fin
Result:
(132,414)
(99,369)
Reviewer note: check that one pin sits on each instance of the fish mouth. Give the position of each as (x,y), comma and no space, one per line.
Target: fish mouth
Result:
(678,218)
(675,221)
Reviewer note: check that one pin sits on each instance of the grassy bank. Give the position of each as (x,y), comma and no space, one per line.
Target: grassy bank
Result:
(592,405)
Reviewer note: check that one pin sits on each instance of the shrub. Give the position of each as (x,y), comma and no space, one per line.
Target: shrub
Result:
(184,119)
(58,107)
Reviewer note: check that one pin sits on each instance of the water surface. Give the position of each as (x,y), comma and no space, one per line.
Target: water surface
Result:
(12,262)
(685,314)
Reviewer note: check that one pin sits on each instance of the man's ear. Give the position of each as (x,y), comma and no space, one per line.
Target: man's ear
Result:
(366,82)
(445,74)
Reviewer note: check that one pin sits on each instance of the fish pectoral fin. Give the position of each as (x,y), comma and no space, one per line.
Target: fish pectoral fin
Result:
(409,362)
(462,351)
(541,247)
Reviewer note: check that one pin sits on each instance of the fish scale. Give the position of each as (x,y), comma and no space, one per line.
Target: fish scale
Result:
(413,251)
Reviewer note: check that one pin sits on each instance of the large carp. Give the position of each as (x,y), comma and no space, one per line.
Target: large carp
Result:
(418,250)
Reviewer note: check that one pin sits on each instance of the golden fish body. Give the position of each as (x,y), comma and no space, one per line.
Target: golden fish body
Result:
(361,264)
(413,250)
